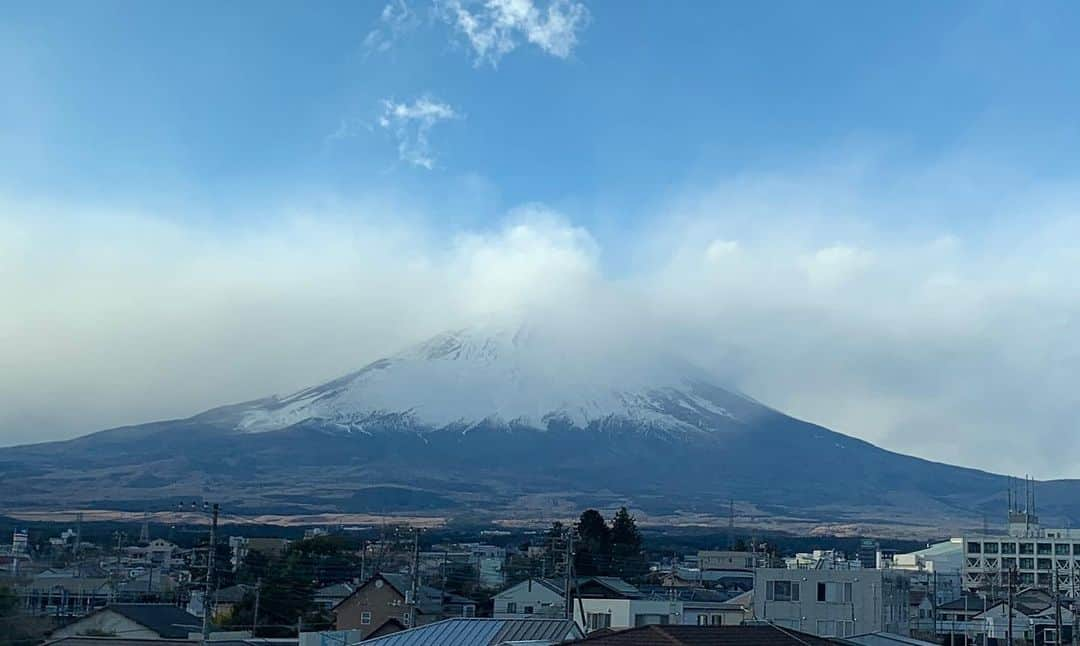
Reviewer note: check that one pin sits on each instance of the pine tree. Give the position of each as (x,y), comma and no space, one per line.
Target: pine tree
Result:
(593,554)
(627,557)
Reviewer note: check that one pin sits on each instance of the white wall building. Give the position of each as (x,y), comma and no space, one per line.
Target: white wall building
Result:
(833,603)
(531,598)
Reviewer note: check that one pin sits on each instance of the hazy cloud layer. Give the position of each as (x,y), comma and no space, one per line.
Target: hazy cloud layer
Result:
(961,345)
(411,123)
(494,28)
(396,19)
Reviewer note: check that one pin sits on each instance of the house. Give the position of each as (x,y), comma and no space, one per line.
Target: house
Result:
(955,619)
(833,602)
(383,597)
(152,621)
(702,606)
(1034,618)
(762,635)
(329,596)
(531,598)
(609,603)
(484,632)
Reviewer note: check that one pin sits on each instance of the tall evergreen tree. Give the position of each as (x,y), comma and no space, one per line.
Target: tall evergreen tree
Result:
(593,554)
(627,557)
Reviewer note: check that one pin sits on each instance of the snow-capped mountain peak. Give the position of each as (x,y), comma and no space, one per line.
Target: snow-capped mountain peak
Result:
(506,376)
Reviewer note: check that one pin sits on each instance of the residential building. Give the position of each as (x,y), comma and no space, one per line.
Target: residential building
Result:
(240,546)
(531,598)
(725,560)
(484,632)
(822,560)
(135,621)
(762,635)
(833,602)
(1042,558)
(608,603)
(384,596)
(977,619)
(329,596)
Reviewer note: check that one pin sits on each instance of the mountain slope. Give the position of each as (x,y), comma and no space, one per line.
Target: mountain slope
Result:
(508,424)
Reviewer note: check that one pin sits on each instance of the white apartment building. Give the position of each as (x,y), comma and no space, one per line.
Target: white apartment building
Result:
(833,603)
(1044,558)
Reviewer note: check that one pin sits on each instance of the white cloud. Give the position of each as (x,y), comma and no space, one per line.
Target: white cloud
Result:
(396,19)
(411,124)
(960,345)
(494,28)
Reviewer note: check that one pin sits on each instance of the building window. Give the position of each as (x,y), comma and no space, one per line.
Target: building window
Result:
(1046,564)
(365,618)
(1008,563)
(1027,548)
(703,620)
(597,620)
(974,548)
(470,611)
(781,591)
(990,548)
(1061,549)
(528,610)
(826,628)
(716,620)
(1045,549)
(406,619)
(833,592)
(511,607)
(1027,564)
(1008,548)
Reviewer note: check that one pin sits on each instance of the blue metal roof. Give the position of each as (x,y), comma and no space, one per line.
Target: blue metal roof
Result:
(482,632)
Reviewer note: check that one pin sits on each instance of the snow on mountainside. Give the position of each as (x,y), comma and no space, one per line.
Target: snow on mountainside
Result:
(507,376)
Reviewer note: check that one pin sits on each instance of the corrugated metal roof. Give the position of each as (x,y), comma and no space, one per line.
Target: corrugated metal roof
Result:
(480,632)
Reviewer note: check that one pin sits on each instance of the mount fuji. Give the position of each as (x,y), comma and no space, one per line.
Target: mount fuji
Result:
(511,424)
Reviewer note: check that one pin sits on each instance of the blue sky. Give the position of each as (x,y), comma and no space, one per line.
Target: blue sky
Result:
(863,214)
(157,102)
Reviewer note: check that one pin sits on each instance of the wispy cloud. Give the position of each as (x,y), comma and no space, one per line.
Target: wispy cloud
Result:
(396,19)
(495,28)
(410,125)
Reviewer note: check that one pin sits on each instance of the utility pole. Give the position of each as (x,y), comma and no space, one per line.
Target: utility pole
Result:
(209,576)
(731,526)
(78,542)
(255,618)
(415,588)
(1012,576)
(1057,605)
(568,592)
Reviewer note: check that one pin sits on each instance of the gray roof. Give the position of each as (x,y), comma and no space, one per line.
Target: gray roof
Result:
(613,583)
(168,621)
(882,638)
(483,632)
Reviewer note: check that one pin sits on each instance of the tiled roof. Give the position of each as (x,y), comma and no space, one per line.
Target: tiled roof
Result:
(706,636)
(168,621)
(482,632)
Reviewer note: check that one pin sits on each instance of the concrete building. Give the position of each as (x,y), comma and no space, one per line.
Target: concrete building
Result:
(833,603)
